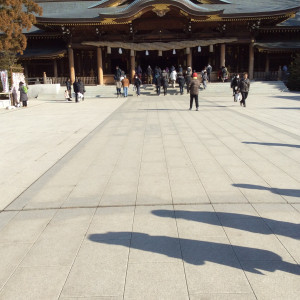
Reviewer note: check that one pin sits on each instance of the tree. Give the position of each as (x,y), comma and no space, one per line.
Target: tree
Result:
(294,77)
(15,16)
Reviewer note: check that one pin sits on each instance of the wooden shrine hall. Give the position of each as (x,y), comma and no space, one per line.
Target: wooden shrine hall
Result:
(88,39)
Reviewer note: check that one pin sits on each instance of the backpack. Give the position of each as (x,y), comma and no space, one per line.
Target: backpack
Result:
(25,89)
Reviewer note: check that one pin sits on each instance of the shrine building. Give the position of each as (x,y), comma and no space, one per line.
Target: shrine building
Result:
(88,39)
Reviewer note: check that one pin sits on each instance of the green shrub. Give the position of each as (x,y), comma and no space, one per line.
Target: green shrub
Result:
(294,78)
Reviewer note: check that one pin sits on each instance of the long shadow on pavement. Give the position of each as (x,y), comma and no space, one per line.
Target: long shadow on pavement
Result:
(273,144)
(282,192)
(198,252)
(238,221)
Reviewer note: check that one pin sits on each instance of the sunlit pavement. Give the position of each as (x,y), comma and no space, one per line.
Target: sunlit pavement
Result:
(140,198)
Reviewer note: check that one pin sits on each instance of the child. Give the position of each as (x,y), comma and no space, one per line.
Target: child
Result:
(67,95)
(236,94)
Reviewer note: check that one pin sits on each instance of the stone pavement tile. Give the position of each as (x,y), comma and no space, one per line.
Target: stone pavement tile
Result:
(26,226)
(60,241)
(52,197)
(99,269)
(155,221)
(235,211)
(35,283)
(188,192)
(87,192)
(227,296)
(253,246)
(198,221)
(92,298)
(155,281)
(182,174)
(112,219)
(154,169)
(297,206)
(11,255)
(273,280)
(6,217)
(292,245)
(225,197)
(146,248)
(211,265)
(119,194)
(154,190)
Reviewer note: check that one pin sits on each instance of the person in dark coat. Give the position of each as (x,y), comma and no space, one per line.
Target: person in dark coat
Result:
(68,86)
(181,82)
(235,84)
(165,81)
(137,84)
(158,83)
(149,75)
(23,93)
(118,74)
(194,91)
(76,89)
(209,70)
(188,78)
(244,87)
(81,88)
(180,70)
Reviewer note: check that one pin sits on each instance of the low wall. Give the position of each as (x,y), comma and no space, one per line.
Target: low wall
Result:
(38,90)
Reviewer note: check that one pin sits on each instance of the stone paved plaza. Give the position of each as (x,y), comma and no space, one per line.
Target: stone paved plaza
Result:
(141,198)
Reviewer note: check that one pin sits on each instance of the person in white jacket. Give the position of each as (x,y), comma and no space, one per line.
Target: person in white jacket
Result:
(173,77)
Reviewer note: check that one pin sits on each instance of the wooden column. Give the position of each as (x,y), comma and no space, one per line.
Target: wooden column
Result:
(71,63)
(26,69)
(267,67)
(251,61)
(189,58)
(132,64)
(99,66)
(222,55)
(55,68)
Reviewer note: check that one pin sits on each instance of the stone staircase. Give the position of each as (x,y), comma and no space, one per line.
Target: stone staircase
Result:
(216,88)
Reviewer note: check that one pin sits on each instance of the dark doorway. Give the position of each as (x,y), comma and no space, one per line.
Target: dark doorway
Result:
(168,59)
(200,59)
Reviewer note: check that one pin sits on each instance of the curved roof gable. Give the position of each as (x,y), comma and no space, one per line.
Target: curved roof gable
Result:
(114,3)
(160,7)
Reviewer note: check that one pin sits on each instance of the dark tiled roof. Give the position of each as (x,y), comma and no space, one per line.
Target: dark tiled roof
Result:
(80,9)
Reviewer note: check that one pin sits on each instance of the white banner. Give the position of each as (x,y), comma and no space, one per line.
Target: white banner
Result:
(4,80)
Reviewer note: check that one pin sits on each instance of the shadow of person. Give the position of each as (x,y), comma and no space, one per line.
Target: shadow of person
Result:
(238,221)
(283,192)
(273,144)
(199,252)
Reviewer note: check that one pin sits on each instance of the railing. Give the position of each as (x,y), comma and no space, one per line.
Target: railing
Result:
(61,80)
(267,76)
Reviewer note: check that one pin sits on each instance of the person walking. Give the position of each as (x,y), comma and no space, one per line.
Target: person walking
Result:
(149,75)
(68,86)
(244,87)
(188,78)
(235,86)
(76,89)
(158,83)
(23,94)
(208,70)
(117,74)
(81,89)
(164,82)
(118,87)
(204,79)
(126,84)
(194,91)
(139,72)
(181,82)
(173,77)
(224,73)
(137,84)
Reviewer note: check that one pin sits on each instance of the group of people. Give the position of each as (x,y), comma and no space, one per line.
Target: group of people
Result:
(240,88)
(23,89)
(78,88)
